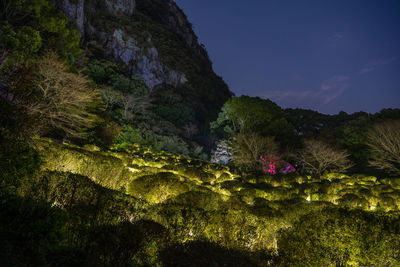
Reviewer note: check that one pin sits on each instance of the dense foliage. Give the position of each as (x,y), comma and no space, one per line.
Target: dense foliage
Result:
(343,237)
(29,28)
(177,205)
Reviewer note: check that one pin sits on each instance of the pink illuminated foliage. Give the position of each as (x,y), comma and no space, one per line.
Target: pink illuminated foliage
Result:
(273,165)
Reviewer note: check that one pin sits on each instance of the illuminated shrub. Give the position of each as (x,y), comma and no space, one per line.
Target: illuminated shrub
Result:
(295,188)
(197,174)
(278,193)
(206,200)
(347,181)
(347,190)
(365,193)
(301,179)
(381,188)
(365,183)
(101,167)
(275,182)
(364,178)
(157,188)
(387,203)
(171,167)
(394,182)
(183,222)
(395,195)
(249,194)
(81,197)
(339,237)
(333,176)
(353,201)
(329,198)
(314,197)
(241,229)
(232,185)
(224,177)
(262,208)
(310,188)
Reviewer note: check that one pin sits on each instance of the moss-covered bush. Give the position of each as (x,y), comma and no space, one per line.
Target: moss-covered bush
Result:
(341,237)
(158,187)
(193,199)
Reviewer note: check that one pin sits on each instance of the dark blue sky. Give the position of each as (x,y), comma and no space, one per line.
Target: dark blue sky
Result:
(326,55)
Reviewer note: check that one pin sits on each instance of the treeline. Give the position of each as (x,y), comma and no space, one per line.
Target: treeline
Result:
(256,134)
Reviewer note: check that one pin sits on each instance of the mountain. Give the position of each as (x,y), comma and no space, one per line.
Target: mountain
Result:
(154,40)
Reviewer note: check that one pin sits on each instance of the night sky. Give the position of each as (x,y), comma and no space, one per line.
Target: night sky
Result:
(328,56)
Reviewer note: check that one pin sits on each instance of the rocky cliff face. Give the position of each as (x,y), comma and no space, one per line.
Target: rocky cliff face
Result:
(154,40)
(109,22)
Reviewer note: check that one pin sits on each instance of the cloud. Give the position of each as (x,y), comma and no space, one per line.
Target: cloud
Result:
(332,88)
(325,93)
(374,65)
(333,94)
(339,79)
(335,39)
(337,36)
(325,87)
(367,69)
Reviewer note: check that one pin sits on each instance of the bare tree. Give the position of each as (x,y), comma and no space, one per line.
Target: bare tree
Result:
(384,142)
(63,99)
(247,149)
(318,157)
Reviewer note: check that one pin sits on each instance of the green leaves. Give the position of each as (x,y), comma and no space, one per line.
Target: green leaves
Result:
(30,27)
(251,114)
(341,237)
(21,44)
(108,73)
(173,107)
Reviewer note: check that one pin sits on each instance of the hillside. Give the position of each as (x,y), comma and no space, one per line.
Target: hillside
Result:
(185,201)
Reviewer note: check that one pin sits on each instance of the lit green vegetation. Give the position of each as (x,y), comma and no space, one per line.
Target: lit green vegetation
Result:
(195,200)
(337,237)
(119,167)
(159,176)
